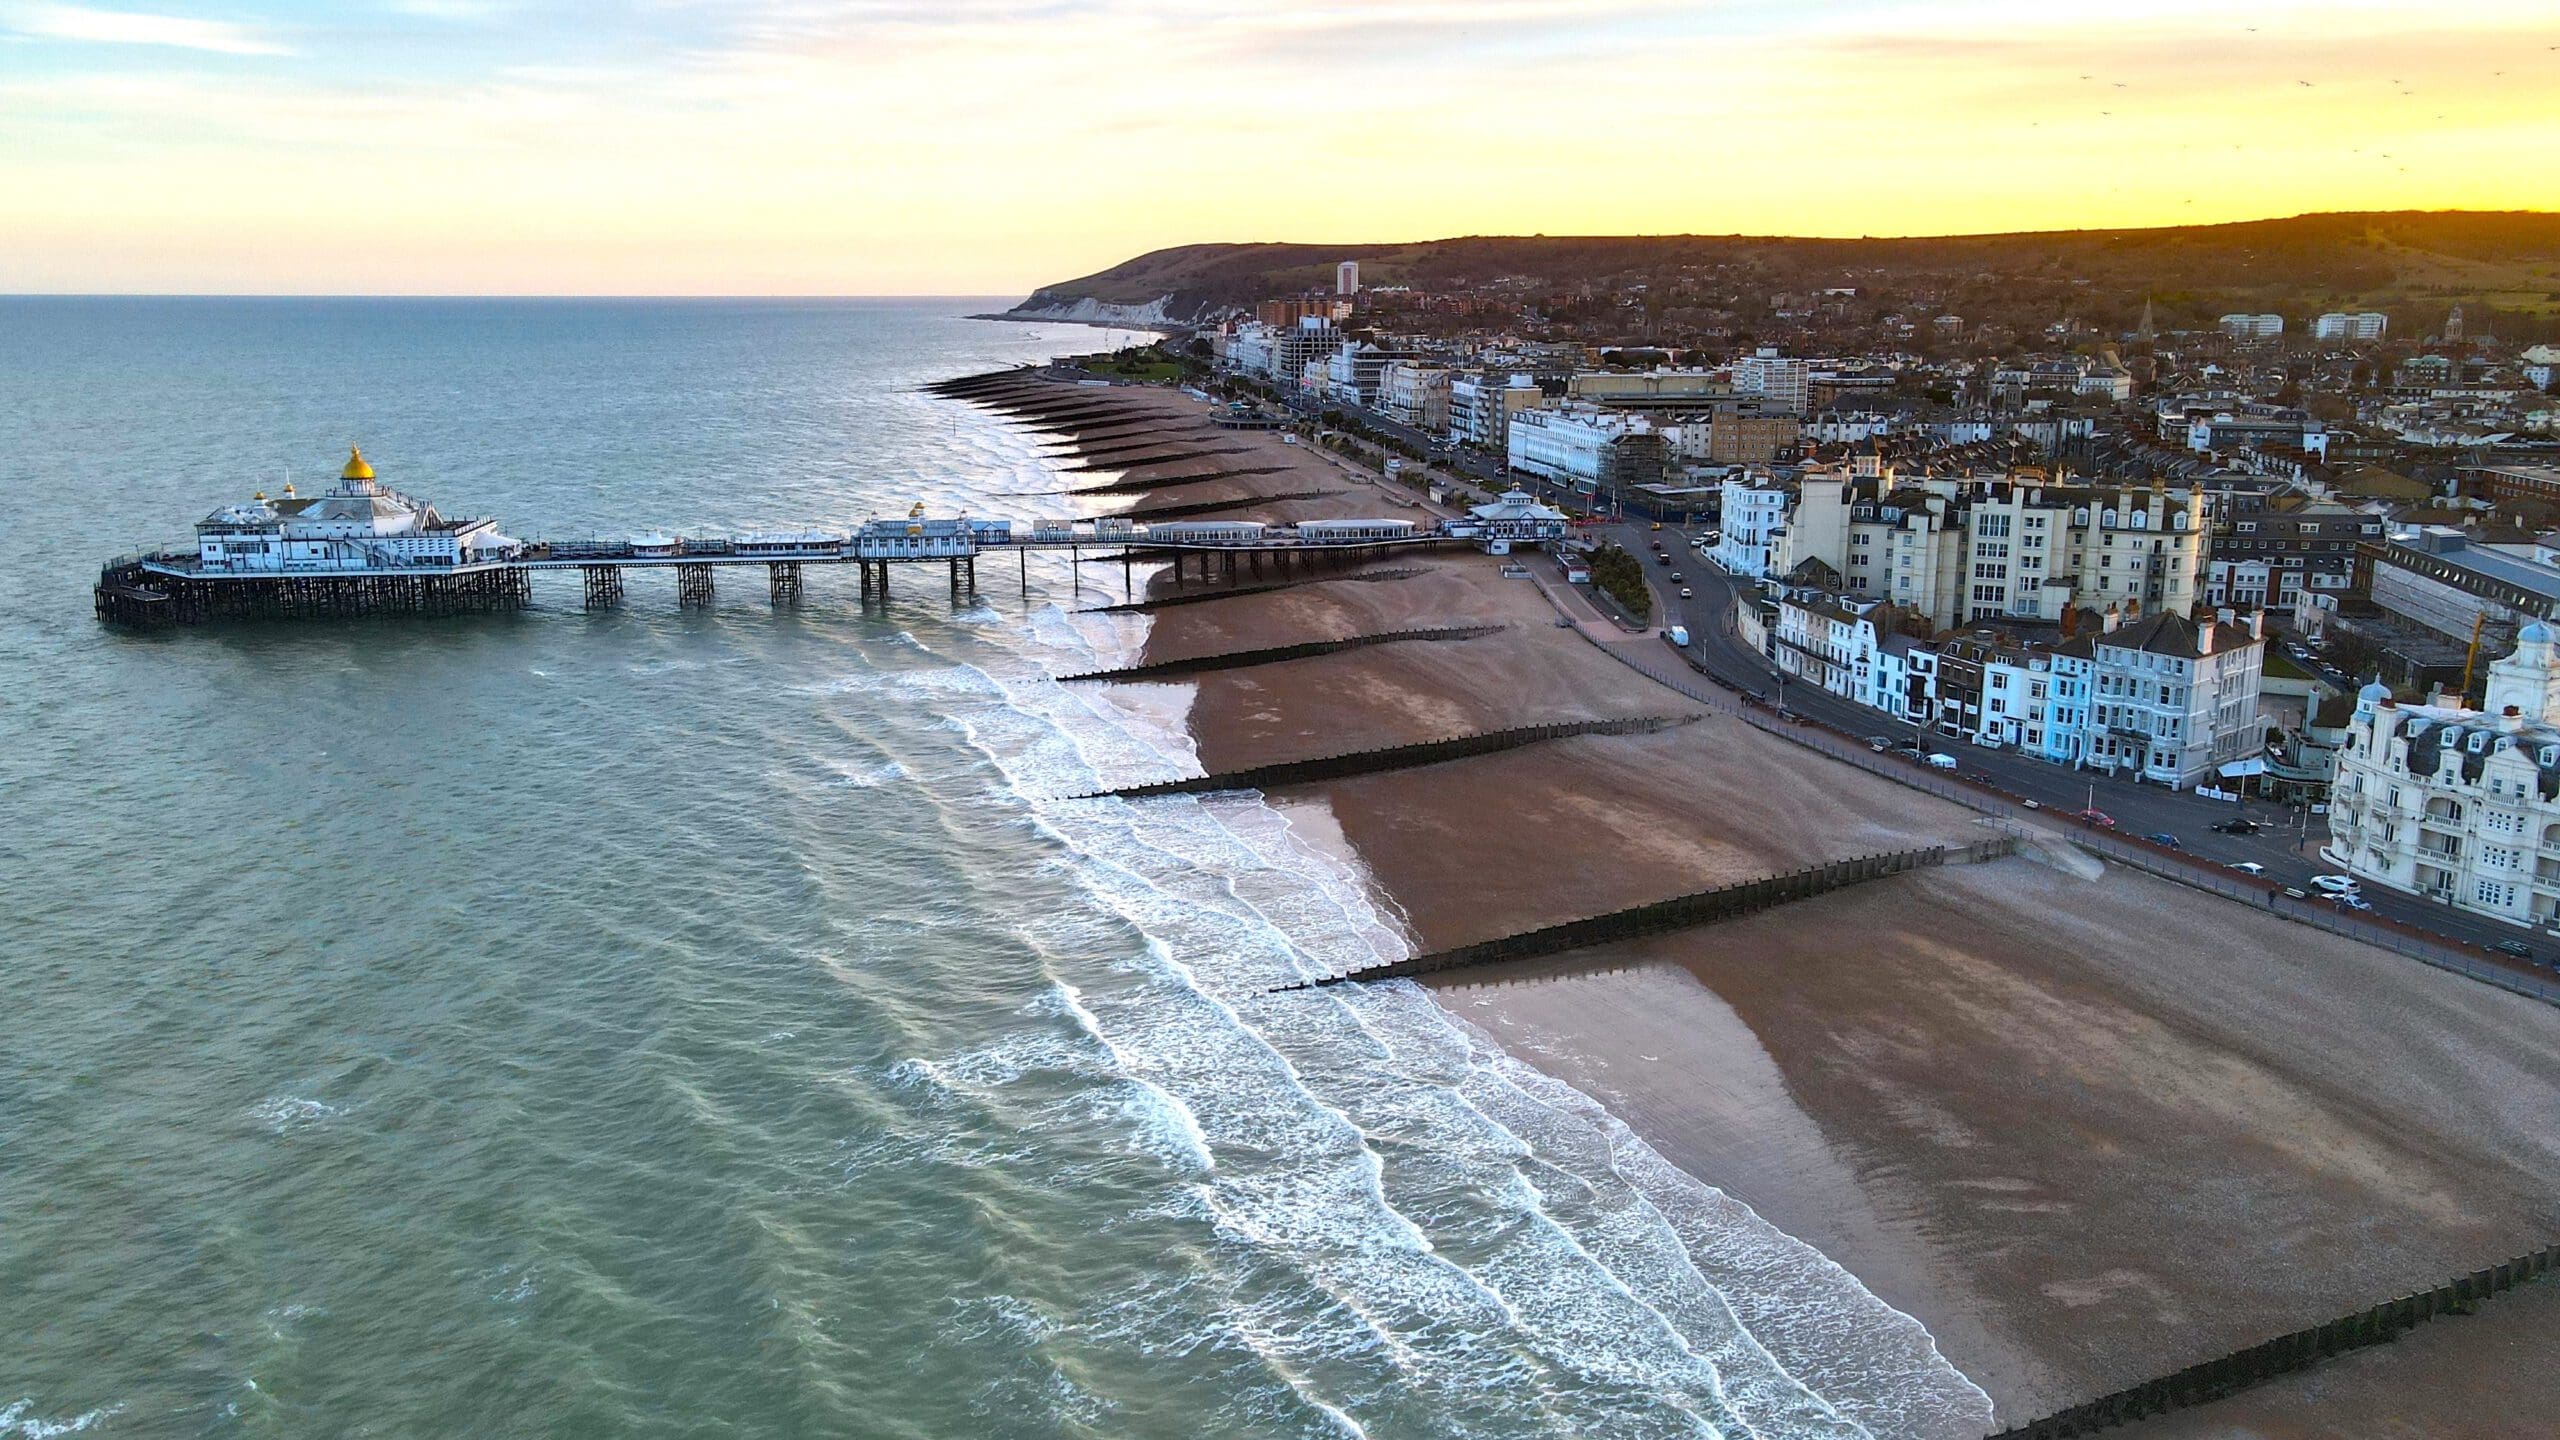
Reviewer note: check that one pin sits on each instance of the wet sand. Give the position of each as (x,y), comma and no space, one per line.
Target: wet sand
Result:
(2087,1131)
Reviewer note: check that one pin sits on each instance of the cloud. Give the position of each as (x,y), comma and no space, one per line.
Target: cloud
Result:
(125,27)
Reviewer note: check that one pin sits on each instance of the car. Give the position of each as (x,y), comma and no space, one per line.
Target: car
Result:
(2351,902)
(2235,827)
(2032,804)
(2294,893)
(1685,592)
(1879,743)
(2516,948)
(1942,762)
(1677,577)
(2250,867)
(2164,839)
(2336,884)
(1909,745)
(1657,524)
(2099,818)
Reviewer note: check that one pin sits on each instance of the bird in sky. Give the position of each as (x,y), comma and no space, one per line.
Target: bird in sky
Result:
(2305,84)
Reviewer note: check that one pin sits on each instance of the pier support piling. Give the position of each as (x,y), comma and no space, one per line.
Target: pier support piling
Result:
(783,579)
(604,585)
(693,586)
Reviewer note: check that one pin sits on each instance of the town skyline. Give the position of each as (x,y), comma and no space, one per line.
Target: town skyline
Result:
(482,147)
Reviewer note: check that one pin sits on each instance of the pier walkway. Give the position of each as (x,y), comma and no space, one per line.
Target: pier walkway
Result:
(359,575)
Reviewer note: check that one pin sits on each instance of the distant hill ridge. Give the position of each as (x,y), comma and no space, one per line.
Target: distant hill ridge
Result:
(2507,260)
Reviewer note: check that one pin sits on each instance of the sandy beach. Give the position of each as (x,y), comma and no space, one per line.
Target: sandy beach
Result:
(2088,1127)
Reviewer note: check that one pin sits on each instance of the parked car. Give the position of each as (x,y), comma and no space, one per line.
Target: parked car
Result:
(2236,827)
(2099,817)
(2294,893)
(1879,743)
(2336,884)
(2250,867)
(2164,838)
(1942,762)
(2352,902)
(2516,948)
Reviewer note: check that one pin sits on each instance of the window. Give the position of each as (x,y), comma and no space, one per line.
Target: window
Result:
(2493,893)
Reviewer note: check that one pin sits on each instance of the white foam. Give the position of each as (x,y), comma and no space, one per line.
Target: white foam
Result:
(19,1419)
(286,1114)
(1402,1191)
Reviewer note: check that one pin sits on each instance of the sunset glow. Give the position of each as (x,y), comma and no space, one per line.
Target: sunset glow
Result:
(985,146)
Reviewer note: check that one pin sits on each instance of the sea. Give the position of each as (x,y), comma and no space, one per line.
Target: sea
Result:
(665,1022)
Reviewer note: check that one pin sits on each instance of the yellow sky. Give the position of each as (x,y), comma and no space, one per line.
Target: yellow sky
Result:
(985,146)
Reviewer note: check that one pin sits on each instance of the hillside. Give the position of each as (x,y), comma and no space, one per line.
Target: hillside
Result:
(2503,261)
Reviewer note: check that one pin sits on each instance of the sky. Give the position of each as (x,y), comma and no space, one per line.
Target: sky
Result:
(983,147)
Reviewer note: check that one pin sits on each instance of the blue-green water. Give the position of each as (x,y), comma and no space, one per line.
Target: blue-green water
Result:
(701,1023)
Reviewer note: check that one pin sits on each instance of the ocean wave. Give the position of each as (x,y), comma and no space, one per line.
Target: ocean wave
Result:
(288,1114)
(20,1420)
(1407,1216)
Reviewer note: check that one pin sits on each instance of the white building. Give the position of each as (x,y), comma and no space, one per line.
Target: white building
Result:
(1786,382)
(2252,327)
(2360,325)
(1515,519)
(356,525)
(1346,278)
(1754,516)
(1589,450)
(2459,805)
(1415,394)
(2169,700)
(1252,349)
(1966,549)
(1481,407)
(2173,701)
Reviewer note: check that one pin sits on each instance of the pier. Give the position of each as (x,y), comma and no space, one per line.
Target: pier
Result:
(361,548)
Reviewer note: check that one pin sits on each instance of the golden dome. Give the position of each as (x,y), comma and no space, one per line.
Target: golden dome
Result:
(356,469)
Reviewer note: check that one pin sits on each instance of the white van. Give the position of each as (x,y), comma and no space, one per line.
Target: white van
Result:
(1938,761)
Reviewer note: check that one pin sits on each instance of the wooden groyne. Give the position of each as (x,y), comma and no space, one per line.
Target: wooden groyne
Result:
(1083,448)
(1274,654)
(1230,592)
(1168,482)
(1151,513)
(2237,1371)
(1134,463)
(1392,757)
(1681,912)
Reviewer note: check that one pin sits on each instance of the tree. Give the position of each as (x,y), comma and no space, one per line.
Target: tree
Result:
(2356,654)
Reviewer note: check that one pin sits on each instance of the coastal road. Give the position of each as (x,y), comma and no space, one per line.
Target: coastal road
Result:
(2288,847)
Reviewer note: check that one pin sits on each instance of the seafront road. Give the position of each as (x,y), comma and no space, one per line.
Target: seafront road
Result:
(2288,847)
